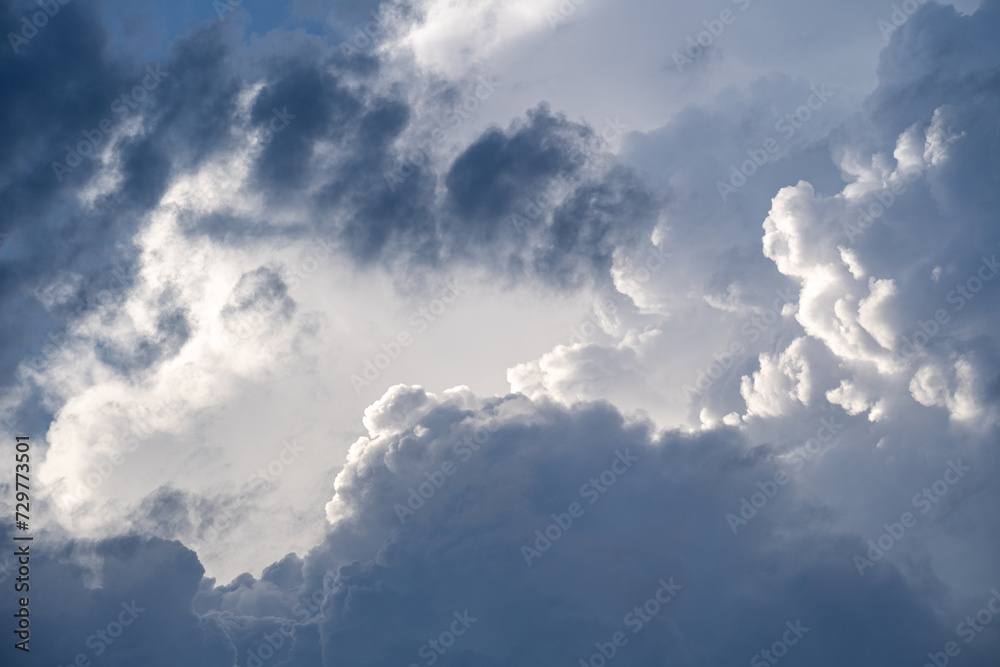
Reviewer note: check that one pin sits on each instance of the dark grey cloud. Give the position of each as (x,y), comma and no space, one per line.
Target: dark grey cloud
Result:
(59,84)
(317,105)
(259,300)
(485,181)
(532,193)
(68,85)
(61,91)
(377,590)
(117,602)
(70,79)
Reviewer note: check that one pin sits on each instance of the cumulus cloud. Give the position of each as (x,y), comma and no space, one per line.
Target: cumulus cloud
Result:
(740,360)
(455,504)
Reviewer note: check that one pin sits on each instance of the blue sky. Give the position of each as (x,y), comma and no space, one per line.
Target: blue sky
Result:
(502,333)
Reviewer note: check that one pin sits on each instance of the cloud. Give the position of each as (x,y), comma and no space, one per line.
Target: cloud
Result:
(491,533)
(792,341)
(848,250)
(113,601)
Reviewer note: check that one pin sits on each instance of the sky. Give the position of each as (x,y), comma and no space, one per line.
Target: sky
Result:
(487,333)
